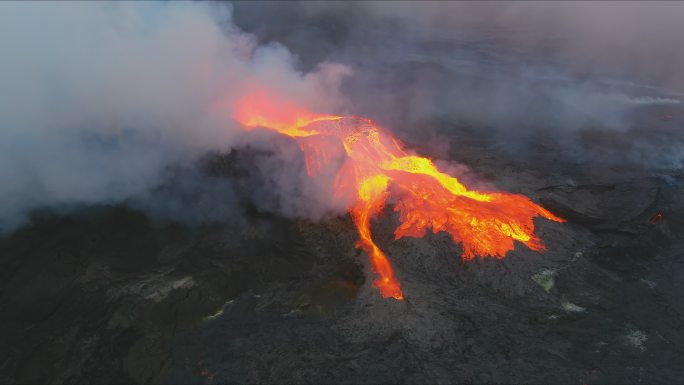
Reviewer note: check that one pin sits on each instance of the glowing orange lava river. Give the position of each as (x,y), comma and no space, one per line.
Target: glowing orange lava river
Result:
(377,164)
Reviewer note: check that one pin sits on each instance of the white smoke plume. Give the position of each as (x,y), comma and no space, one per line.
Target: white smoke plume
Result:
(98,99)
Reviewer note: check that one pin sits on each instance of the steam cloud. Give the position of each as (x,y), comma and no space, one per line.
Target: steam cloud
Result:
(99,99)
(111,102)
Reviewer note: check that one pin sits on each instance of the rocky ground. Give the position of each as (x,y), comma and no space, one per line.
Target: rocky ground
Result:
(106,295)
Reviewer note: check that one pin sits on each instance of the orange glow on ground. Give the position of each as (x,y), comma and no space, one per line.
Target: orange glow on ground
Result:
(486,224)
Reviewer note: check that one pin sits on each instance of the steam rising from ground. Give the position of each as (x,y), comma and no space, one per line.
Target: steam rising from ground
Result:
(101,102)
(98,99)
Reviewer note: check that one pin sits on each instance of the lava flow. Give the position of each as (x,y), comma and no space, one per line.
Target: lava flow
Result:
(377,164)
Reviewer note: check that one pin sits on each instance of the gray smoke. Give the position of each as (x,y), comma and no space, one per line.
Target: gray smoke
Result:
(516,71)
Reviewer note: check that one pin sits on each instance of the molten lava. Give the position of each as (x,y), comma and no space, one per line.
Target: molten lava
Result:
(376,164)
(657,217)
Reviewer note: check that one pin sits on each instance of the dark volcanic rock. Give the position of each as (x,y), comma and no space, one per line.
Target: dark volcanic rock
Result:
(106,296)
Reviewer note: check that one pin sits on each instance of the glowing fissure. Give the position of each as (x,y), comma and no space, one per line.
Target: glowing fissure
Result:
(486,224)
